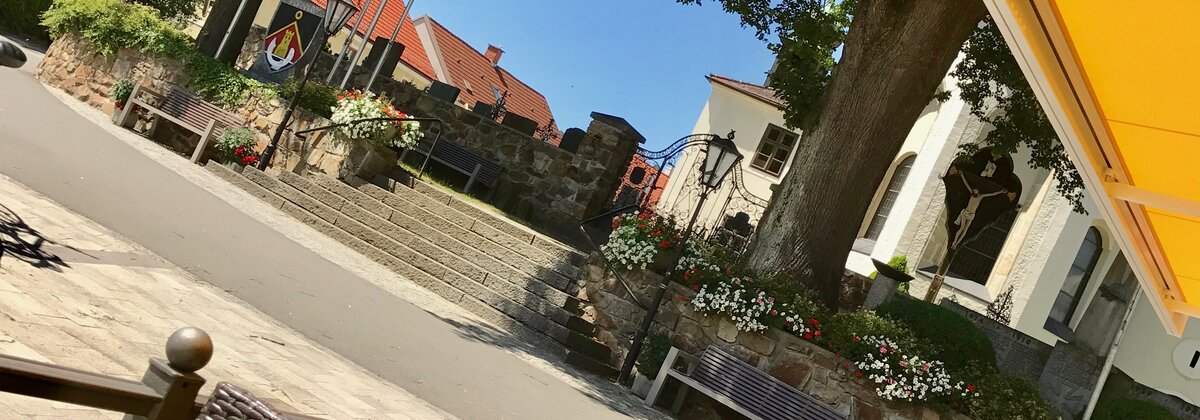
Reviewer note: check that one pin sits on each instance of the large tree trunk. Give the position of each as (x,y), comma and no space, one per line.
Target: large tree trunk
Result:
(896,53)
(219,20)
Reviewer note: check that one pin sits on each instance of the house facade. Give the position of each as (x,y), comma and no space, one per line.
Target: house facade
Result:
(1073,295)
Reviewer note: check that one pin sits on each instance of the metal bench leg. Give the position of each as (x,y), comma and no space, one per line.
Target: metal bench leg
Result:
(656,388)
(679,396)
(123,120)
(471,181)
(203,142)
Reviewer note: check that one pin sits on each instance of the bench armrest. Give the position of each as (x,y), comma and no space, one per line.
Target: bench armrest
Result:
(689,362)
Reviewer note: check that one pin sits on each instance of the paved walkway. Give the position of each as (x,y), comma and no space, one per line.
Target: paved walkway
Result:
(75,294)
(291,273)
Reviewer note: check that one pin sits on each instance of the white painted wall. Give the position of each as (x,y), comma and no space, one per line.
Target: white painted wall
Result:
(725,110)
(1145,354)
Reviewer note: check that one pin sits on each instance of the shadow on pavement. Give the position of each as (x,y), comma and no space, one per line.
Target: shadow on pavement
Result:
(19,240)
(603,391)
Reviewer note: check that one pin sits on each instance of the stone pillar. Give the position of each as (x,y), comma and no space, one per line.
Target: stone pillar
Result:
(607,149)
(883,288)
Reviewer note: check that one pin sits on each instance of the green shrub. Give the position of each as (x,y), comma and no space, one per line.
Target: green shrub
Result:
(175,10)
(318,98)
(121,90)
(844,331)
(112,25)
(1130,409)
(233,141)
(951,338)
(654,352)
(23,17)
(1006,397)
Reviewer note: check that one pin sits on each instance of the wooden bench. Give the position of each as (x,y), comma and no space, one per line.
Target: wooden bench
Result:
(185,109)
(737,385)
(477,169)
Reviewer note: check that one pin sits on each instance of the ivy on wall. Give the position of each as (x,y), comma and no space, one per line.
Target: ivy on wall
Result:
(113,25)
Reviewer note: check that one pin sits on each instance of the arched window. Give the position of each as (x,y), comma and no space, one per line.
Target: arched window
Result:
(889,197)
(1068,297)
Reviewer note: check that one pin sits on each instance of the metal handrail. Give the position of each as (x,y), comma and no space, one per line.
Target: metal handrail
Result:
(608,264)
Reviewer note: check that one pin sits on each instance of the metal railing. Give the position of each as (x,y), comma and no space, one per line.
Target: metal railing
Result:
(169,390)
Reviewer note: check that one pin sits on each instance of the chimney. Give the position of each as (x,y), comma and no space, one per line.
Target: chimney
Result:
(493,54)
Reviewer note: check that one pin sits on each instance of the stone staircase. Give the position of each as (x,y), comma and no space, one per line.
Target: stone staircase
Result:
(520,281)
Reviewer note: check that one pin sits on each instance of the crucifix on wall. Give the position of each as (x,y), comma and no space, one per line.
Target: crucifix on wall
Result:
(979,189)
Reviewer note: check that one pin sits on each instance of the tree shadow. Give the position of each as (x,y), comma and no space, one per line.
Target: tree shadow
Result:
(19,240)
(597,388)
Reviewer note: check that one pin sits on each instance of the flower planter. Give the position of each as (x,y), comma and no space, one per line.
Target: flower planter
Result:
(664,261)
(364,161)
(234,166)
(641,385)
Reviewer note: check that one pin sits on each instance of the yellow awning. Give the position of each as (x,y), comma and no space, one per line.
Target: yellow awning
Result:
(1120,81)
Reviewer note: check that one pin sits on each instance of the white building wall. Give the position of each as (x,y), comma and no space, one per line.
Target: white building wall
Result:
(725,110)
(1146,354)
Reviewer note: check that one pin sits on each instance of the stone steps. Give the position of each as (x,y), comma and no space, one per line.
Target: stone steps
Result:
(482,276)
(533,245)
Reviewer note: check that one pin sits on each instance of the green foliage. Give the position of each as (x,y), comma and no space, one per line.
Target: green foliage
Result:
(990,72)
(900,263)
(175,10)
(24,17)
(1130,409)
(654,352)
(318,98)
(844,331)
(121,90)
(803,34)
(229,142)
(951,338)
(1006,397)
(113,25)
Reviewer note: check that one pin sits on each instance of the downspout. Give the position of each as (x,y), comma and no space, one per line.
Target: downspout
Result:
(1112,355)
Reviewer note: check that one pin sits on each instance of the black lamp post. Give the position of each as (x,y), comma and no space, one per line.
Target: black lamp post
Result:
(720,157)
(337,13)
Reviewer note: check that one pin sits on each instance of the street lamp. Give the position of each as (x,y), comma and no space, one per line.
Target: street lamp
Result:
(720,157)
(337,13)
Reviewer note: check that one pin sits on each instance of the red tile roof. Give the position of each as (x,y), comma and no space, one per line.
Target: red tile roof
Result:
(655,194)
(414,54)
(475,76)
(760,92)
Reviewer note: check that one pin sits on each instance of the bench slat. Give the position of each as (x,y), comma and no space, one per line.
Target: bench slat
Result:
(765,396)
(724,369)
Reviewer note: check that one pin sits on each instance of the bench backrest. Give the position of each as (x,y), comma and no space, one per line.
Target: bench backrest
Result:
(454,155)
(189,108)
(757,391)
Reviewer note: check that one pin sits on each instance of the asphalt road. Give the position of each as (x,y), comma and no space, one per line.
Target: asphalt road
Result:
(50,148)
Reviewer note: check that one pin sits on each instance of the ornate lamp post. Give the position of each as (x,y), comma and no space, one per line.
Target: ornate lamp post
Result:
(337,13)
(720,158)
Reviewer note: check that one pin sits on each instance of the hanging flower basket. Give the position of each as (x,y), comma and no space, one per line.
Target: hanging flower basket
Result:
(643,240)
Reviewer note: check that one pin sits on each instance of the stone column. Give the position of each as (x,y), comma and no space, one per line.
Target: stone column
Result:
(883,288)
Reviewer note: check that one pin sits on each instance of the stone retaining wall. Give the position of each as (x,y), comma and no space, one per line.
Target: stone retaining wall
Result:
(540,183)
(792,360)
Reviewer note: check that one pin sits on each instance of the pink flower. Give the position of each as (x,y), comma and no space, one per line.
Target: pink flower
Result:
(903,364)
(774,313)
(925,366)
(883,349)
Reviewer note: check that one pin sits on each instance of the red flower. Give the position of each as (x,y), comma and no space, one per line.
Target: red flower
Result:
(695,287)
(656,234)
(814,322)
(665,244)
(856,339)
(817,333)
(858,374)
(120,105)
(970,387)
(240,151)
(808,336)
(683,299)
(774,313)
(250,160)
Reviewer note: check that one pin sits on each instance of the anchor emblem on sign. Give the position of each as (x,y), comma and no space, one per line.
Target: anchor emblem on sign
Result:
(283,47)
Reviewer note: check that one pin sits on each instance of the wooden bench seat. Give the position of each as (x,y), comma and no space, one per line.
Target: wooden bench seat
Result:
(737,385)
(185,109)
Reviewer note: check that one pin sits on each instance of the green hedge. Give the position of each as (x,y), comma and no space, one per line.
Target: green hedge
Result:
(1123,409)
(113,25)
(318,98)
(23,17)
(1007,397)
(952,339)
(841,330)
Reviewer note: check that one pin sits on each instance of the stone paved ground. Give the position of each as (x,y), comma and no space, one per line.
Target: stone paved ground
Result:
(75,294)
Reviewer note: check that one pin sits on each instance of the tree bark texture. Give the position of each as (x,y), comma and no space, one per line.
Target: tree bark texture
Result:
(219,19)
(896,53)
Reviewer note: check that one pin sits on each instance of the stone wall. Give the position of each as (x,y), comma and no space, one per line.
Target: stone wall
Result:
(540,183)
(792,360)
(1017,354)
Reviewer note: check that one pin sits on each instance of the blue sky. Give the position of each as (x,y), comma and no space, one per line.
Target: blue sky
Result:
(643,60)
